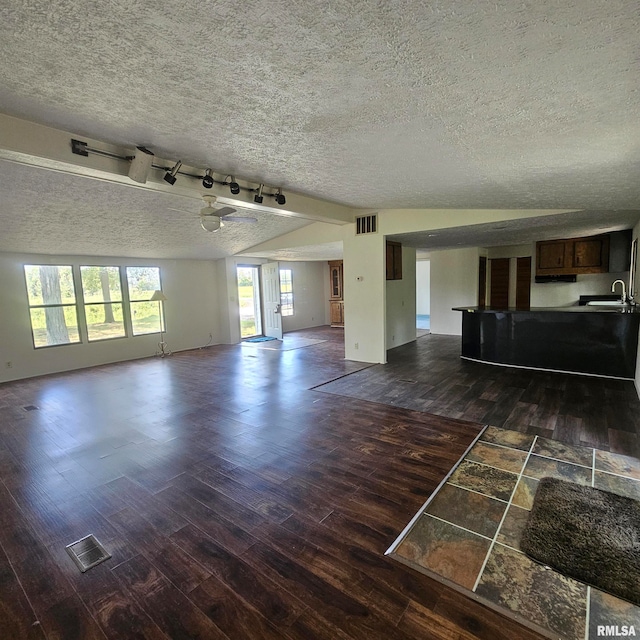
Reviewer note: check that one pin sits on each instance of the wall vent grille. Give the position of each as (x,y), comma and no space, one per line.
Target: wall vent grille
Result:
(367,224)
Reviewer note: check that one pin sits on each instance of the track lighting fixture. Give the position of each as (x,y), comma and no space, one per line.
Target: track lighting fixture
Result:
(140,165)
(143,161)
(207,181)
(234,187)
(170,176)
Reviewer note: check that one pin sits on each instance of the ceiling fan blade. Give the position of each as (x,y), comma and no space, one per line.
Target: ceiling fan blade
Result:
(179,210)
(240,219)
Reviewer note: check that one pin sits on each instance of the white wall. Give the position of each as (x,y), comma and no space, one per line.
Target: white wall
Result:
(364,296)
(566,294)
(423,286)
(191,313)
(310,304)
(310,295)
(401,303)
(454,283)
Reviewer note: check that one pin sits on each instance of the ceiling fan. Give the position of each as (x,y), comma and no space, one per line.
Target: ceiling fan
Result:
(211,217)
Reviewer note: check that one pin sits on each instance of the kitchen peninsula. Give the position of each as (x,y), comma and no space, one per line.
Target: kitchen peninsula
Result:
(589,340)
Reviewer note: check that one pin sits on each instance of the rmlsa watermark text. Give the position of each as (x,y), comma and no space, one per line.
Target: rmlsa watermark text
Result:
(615,631)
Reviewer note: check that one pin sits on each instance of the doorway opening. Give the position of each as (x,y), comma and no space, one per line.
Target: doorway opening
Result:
(423,297)
(249,301)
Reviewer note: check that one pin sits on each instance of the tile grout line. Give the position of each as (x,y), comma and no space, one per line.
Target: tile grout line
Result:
(588,615)
(484,495)
(458,526)
(504,515)
(539,455)
(424,507)
(588,603)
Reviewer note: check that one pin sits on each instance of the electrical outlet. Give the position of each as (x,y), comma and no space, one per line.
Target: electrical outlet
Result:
(9,364)
(356,346)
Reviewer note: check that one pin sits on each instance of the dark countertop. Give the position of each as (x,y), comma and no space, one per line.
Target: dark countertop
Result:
(573,309)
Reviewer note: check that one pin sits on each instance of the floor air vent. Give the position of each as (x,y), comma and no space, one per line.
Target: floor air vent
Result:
(87,552)
(367,224)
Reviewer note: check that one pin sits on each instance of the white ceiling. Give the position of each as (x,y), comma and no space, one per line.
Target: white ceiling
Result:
(522,231)
(64,214)
(445,104)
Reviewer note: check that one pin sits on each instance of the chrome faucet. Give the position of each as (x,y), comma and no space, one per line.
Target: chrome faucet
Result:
(623,299)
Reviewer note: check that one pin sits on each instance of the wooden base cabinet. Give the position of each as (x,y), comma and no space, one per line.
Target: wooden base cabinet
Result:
(337,313)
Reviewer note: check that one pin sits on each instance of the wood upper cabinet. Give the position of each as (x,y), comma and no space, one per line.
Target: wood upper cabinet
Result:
(590,252)
(551,255)
(573,256)
(335,279)
(394,260)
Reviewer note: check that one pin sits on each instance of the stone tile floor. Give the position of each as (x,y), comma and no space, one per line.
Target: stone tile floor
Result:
(469,530)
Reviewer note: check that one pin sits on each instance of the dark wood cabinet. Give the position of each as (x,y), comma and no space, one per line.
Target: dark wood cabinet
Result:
(589,252)
(336,302)
(394,260)
(551,255)
(573,256)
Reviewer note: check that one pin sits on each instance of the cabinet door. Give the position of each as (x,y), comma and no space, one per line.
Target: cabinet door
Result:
(335,276)
(336,313)
(588,253)
(394,260)
(551,255)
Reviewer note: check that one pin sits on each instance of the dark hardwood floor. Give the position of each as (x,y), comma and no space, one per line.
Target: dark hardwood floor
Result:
(428,375)
(236,501)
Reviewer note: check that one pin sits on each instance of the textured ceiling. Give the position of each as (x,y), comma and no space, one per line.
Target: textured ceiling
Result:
(522,231)
(450,103)
(48,212)
(316,252)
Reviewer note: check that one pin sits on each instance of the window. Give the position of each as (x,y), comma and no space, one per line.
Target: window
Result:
(286,292)
(102,302)
(52,305)
(145,315)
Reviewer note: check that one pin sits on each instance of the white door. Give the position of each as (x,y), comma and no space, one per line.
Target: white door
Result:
(271,299)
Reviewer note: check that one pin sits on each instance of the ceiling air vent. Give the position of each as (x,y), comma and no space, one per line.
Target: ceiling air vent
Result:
(367,224)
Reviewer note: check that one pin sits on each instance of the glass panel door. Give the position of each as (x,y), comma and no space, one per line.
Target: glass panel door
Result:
(249,300)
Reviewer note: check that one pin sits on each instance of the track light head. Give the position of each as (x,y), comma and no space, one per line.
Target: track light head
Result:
(207,180)
(258,198)
(234,187)
(280,199)
(140,165)
(170,176)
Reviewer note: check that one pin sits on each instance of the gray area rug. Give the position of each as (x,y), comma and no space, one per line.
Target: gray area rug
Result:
(587,534)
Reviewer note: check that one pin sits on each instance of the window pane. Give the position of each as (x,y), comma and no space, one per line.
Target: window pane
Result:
(104,321)
(143,281)
(54,325)
(101,284)
(145,317)
(49,284)
(286,292)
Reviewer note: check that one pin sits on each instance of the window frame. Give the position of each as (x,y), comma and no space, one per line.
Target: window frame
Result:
(130,301)
(75,304)
(288,306)
(125,325)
